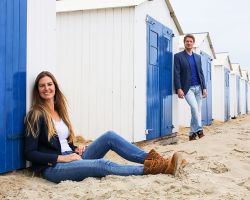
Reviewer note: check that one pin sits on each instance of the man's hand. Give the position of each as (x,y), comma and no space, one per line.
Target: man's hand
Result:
(204,93)
(180,93)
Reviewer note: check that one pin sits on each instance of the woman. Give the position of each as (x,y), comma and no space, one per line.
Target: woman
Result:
(49,143)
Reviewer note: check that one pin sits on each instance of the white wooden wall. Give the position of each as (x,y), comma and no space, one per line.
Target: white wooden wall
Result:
(96,70)
(41,41)
(242,96)
(233,97)
(218,91)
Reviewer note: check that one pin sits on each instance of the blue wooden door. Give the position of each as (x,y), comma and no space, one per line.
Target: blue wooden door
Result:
(207,102)
(238,94)
(227,95)
(159,79)
(12,83)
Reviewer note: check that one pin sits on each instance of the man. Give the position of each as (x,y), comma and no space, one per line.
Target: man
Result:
(190,83)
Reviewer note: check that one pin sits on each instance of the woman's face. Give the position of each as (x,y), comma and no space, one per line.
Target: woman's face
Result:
(46,88)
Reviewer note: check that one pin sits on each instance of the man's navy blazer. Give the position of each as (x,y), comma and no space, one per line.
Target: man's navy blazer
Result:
(39,150)
(183,73)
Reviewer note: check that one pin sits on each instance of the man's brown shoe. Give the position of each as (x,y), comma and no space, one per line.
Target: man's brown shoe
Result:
(192,137)
(200,134)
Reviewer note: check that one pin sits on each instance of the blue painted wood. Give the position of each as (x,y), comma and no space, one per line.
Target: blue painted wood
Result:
(227,95)
(2,84)
(165,59)
(207,102)
(159,79)
(13,17)
(238,94)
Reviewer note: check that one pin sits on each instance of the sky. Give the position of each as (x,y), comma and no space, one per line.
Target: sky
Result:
(227,21)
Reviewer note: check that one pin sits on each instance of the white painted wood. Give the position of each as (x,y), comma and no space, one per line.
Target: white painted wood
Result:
(218,91)
(242,96)
(233,97)
(41,41)
(77,5)
(95,66)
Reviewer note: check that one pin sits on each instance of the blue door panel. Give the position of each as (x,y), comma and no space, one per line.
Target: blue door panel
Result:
(159,79)
(153,93)
(227,95)
(2,85)
(12,83)
(207,102)
(166,84)
(238,94)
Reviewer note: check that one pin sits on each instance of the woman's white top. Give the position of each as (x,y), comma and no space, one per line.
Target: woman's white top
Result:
(63,133)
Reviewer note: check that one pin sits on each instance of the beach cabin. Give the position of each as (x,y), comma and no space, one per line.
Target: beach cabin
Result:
(204,47)
(114,63)
(244,94)
(221,87)
(13,22)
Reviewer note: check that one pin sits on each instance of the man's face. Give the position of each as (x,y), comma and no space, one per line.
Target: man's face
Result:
(189,43)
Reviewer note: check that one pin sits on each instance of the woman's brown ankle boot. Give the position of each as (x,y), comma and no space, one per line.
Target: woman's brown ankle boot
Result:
(153,155)
(163,166)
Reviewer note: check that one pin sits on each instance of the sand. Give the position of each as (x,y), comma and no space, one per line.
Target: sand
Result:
(218,168)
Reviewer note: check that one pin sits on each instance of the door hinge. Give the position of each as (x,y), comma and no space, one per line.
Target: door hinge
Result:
(147,131)
(15,137)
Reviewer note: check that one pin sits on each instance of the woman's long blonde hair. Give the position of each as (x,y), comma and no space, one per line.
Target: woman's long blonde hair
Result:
(39,108)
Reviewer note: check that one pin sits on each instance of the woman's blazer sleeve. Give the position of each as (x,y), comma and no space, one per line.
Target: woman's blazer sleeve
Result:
(31,147)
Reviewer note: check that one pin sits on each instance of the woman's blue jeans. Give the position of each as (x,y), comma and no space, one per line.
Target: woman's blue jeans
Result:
(93,164)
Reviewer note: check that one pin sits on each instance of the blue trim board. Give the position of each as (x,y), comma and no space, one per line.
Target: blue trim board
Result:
(13,29)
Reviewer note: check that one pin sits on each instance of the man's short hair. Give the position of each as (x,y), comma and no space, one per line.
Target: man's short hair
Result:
(189,36)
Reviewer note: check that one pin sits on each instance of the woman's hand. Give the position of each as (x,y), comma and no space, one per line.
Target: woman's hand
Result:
(68,158)
(80,149)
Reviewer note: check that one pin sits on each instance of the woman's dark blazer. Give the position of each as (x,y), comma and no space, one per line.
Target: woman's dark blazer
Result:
(41,152)
(183,73)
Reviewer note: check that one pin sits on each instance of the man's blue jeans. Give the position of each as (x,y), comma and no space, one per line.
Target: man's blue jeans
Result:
(194,99)
(92,164)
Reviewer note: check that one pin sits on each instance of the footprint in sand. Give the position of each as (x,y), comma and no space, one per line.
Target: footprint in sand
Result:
(245,183)
(201,157)
(218,168)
